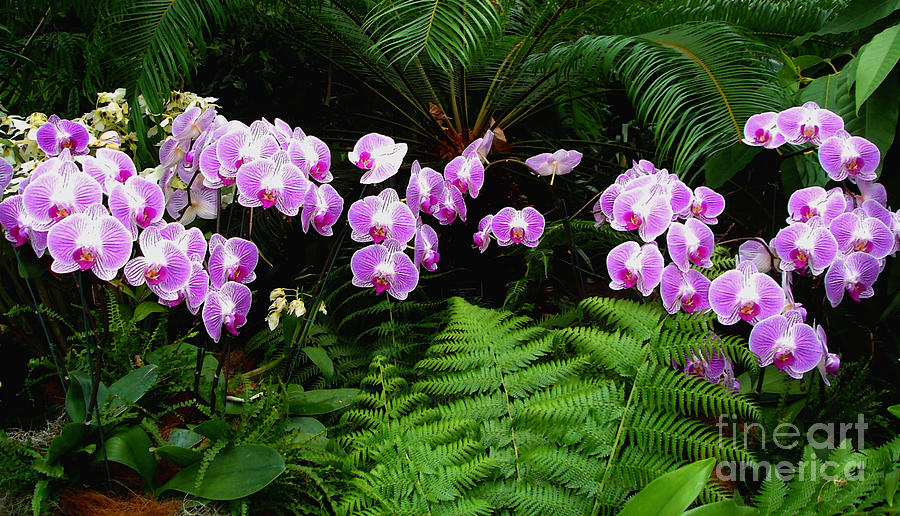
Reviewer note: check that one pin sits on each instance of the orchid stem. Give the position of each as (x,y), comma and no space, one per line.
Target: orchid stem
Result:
(198,370)
(37,309)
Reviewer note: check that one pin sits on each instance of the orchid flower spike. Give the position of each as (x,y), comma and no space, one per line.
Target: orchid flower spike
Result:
(806,245)
(425,190)
(480,147)
(312,157)
(854,274)
(830,362)
(386,268)
(194,292)
(814,201)
(52,197)
(378,155)
(137,203)
(227,307)
(19,225)
(844,156)
(690,243)
(645,209)
(322,207)
(199,201)
(512,226)
(631,265)
(451,205)
(706,205)
(855,231)
(756,252)
(376,218)
(272,182)
(189,124)
(108,167)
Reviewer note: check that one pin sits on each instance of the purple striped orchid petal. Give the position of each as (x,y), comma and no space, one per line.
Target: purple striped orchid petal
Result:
(808,123)
(164,267)
(226,307)
(57,135)
(680,197)
(482,238)
(235,260)
(844,156)
(272,182)
(788,343)
(242,146)
(511,226)
(312,157)
(203,202)
(711,367)
(425,249)
(830,362)
(425,191)
(607,200)
(630,265)
(58,165)
(172,152)
(646,210)
(869,190)
(89,240)
(806,245)
(211,169)
(554,164)
(706,205)
(789,304)
(197,288)
(872,209)
(322,208)
(756,252)
(452,205)
(854,274)
(192,122)
(108,167)
(745,294)
(691,243)
(378,155)
(481,146)
(190,241)
(377,218)
(854,231)
(466,173)
(761,130)
(52,197)
(386,268)
(643,168)
(599,217)
(19,225)
(683,290)
(6,175)
(137,203)
(814,201)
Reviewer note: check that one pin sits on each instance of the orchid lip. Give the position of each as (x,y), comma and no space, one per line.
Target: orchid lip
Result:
(156,274)
(85,258)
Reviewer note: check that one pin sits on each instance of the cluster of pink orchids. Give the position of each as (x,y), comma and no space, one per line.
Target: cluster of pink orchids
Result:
(844,232)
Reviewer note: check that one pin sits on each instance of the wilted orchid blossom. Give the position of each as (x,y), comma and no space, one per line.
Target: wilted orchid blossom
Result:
(806,245)
(844,156)
(465,173)
(854,274)
(688,290)
(272,182)
(761,130)
(52,197)
(808,123)
(386,268)
(425,190)
(554,164)
(197,201)
(378,155)
(745,294)
(756,252)
(227,307)
(830,362)
(482,238)
(137,204)
(164,267)
(787,342)
(56,135)
(19,225)
(706,205)
(93,240)
(691,243)
(311,156)
(425,249)
(108,167)
(232,260)
(631,265)
(321,208)
(854,231)
(512,226)
(452,205)
(814,201)
(645,209)
(376,218)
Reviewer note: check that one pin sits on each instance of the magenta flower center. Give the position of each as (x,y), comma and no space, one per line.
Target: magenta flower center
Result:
(145,217)
(863,245)
(854,164)
(690,302)
(155,274)
(698,207)
(807,213)
(84,257)
(749,310)
(188,159)
(318,171)
(431,258)
(123,175)
(628,278)
(378,233)
(20,234)
(855,289)
(696,369)
(461,184)
(783,358)
(809,132)
(698,255)
(478,239)
(632,220)
(381,283)
(232,321)
(365,160)
(57,212)
(761,136)
(323,220)
(799,258)
(517,234)
(238,273)
(267,197)
(68,143)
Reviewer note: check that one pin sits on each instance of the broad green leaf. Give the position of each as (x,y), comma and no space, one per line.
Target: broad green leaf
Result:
(215,429)
(234,473)
(70,437)
(672,493)
(723,508)
(890,485)
(131,448)
(132,387)
(181,457)
(311,403)
(877,120)
(320,357)
(723,165)
(895,410)
(184,437)
(307,431)
(876,60)
(146,308)
(858,14)
(78,396)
